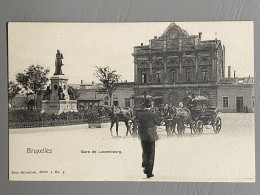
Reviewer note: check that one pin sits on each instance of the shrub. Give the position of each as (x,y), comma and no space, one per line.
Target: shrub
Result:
(34,116)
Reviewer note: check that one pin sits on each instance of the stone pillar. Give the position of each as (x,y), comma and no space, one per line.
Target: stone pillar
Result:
(177,75)
(136,72)
(213,69)
(165,69)
(213,64)
(223,61)
(151,70)
(180,70)
(196,67)
(56,82)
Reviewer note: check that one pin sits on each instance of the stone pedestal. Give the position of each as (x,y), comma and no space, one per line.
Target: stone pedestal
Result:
(55,105)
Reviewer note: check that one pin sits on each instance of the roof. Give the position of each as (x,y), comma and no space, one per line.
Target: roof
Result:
(236,81)
(126,84)
(182,32)
(76,86)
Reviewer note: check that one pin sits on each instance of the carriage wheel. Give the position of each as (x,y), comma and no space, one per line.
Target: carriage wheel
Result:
(217,125)
(199,127)
(180,128)
(193,126)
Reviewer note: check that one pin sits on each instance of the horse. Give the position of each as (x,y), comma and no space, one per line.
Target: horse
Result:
(179,117)
(115,117)
(169,115)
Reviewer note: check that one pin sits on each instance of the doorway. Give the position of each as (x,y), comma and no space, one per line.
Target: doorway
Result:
(239,104)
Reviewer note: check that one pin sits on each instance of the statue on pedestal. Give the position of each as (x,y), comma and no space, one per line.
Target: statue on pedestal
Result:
(58,63)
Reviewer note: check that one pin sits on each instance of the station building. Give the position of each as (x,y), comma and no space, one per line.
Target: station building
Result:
(177,64)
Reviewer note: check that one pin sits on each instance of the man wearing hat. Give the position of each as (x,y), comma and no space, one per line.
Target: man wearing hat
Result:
(148,135)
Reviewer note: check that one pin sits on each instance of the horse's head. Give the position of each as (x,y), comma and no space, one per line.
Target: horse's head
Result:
(106,109)
(173,111)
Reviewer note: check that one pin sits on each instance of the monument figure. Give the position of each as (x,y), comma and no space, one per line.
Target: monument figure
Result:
(56,99)
(71,94)
(47,94)
(58,63)
(60,93)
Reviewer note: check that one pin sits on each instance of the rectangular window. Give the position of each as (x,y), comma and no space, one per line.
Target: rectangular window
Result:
(225,102)
(188,74)
(158,75)
(143,78)
(174,76)
(115,99)
(127,102)
(205,74)
(115,102)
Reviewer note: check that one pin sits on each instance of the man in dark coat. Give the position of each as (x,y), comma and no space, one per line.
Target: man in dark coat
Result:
(148,135)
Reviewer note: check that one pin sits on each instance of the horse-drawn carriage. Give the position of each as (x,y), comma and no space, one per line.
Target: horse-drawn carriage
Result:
(197,114)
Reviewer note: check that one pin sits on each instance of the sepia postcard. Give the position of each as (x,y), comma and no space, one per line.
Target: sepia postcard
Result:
(165,101)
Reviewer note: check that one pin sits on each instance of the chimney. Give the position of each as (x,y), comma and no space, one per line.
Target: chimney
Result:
(200,33)
(93,82)
(229,72)
(234,74)
(142,44)
(155,37)
(81,82)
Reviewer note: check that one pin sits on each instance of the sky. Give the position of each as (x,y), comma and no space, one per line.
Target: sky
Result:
(85,45)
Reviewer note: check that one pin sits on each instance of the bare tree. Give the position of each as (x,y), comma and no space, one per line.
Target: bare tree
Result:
(109,79)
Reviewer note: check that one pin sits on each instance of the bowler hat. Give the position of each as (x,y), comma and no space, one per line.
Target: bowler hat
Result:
(147,102)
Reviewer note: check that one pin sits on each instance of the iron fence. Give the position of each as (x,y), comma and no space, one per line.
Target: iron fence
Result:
(52,123)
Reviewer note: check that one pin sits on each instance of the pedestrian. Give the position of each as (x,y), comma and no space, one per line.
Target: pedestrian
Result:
(148,135)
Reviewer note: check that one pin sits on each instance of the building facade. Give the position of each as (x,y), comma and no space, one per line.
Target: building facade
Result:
(177,64)
(236,95)
(89,96)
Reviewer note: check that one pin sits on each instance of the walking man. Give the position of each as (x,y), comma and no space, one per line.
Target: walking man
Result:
(148,135)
